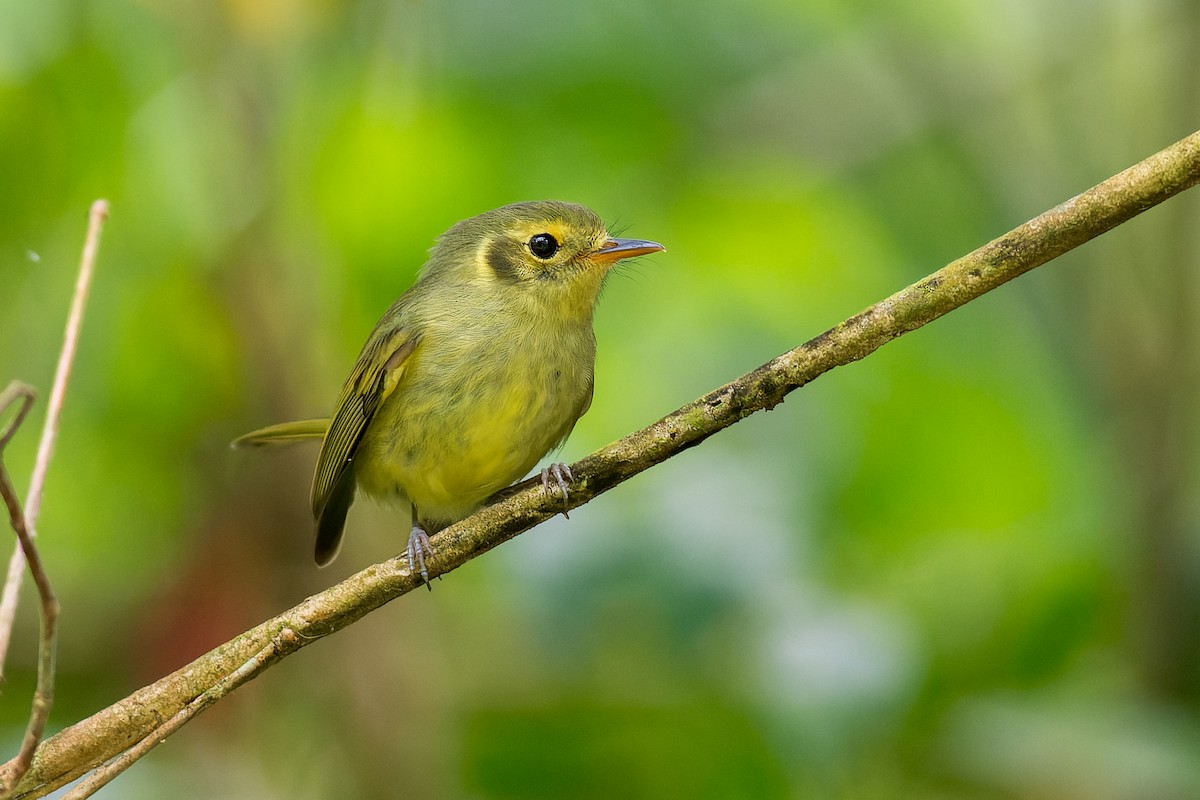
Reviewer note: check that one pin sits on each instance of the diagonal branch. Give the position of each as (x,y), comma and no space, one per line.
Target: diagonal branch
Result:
(276,648)
(123,725)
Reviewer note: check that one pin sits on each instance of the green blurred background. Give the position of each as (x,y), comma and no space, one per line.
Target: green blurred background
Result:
(966,567)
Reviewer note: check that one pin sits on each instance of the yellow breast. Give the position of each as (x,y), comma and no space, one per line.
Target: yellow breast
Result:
(475,411)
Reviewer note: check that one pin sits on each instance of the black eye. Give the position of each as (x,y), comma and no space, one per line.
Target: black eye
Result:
(543,245)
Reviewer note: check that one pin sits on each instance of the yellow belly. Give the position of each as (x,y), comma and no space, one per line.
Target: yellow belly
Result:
(469,419)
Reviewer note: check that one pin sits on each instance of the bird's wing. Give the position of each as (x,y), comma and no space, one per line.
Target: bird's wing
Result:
(375,376)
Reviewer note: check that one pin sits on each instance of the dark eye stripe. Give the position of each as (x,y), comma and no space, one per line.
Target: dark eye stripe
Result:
(502,257)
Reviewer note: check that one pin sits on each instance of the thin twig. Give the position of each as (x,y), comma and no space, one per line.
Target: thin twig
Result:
(37,481)
(115,729)
(282,643)
(13,392)
(43,694)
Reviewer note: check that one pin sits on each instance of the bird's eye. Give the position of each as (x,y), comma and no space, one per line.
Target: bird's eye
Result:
(543,245)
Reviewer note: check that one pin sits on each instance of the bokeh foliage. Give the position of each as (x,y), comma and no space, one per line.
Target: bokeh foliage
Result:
(966,567)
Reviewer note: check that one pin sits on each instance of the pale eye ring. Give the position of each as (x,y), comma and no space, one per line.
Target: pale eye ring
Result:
(543,245)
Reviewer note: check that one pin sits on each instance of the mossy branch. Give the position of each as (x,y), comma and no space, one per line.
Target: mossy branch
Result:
(139,717)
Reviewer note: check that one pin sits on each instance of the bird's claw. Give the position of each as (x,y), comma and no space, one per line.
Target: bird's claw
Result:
(417,550)
(562,476)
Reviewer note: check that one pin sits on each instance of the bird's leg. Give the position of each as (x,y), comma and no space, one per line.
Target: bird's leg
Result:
(418,548)
(562,476)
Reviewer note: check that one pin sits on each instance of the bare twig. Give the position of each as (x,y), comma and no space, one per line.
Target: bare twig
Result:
(43,695)
(282,643)
(112,731)
(37,481)
(12,393)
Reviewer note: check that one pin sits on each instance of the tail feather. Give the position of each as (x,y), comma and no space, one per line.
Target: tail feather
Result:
(284,433)
(331,520)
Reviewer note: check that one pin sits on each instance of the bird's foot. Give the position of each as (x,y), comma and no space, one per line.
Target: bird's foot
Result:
(561,474)
(417,550)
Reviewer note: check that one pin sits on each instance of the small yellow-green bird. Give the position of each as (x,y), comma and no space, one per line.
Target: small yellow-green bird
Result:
(481,368)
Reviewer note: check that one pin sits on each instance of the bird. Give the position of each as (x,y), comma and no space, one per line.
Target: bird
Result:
(477,371)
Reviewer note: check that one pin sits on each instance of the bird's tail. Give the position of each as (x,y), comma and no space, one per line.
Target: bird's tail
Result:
(284,433)
(331,519)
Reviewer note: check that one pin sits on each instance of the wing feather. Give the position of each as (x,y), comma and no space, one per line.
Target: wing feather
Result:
(375,376)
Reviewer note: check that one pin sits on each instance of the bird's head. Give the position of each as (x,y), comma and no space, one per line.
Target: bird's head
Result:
(547,253)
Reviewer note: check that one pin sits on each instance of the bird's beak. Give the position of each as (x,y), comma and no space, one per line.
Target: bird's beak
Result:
(614,250)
